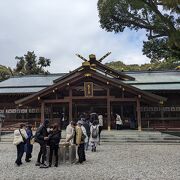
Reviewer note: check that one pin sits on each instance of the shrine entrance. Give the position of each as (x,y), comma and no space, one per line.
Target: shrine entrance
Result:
(94,87)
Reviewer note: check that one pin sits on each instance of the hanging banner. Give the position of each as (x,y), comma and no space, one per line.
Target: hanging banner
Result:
(88,89)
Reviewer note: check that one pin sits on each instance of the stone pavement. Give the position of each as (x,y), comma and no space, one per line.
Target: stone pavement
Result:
(115,162)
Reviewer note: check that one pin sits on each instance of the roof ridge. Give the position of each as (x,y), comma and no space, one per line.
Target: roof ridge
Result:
(36,75)
(146,71)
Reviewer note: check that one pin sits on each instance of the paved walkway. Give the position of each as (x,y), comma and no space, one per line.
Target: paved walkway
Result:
(115,162)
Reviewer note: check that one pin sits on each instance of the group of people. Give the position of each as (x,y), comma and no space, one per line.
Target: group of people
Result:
(83,133)
(23,139)
(86,132)
(50,138)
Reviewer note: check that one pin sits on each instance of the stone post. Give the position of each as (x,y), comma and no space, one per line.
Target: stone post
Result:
(0,126)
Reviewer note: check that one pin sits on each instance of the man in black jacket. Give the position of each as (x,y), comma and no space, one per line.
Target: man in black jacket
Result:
(41,137)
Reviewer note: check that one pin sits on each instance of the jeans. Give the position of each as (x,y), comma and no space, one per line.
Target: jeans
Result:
(53,149)
(81,153)
(86,145)
(42,153)
(28,149)
(118,126)
(100,129)
(20,152)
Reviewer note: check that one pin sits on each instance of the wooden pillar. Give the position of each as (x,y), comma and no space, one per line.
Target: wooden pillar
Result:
(122,105)
(42,111)
(108,110)
(51,113)
(70,104)
(138,108)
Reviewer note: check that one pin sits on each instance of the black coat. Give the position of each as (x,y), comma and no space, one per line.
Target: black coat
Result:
(54,138)
(40,134)
(87,127)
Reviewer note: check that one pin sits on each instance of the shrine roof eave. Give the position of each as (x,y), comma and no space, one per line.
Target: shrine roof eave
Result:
(76,75)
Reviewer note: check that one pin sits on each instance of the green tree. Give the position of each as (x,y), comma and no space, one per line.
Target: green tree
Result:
(169,64)
(29,64)
(160,19)
(5,72)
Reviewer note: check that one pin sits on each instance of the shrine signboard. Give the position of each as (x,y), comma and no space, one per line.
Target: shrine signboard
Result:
(88,89)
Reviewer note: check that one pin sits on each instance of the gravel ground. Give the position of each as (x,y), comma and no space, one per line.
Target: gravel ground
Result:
(124,161)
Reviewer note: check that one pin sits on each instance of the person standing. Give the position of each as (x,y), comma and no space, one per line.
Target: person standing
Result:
(41,137)
(79,137)
(20,137)
(54,139)
(28,146)
(118,122)
(93,117)
(94,137)
(87,133)
(70,132)
(100,119)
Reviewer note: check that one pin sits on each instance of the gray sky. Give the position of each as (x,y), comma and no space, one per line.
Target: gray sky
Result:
(58,29)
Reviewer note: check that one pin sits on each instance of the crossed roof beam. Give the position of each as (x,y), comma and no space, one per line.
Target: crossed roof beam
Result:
(105,69)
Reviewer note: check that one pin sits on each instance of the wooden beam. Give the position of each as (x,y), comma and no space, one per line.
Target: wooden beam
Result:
(138,114)
(70,104)
(111,98)
(56,101)
(42,111)
(82,97)
(51,113)
(122,99)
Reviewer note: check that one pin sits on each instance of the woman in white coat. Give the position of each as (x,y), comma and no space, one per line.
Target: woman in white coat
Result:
(20,137)
(70,131)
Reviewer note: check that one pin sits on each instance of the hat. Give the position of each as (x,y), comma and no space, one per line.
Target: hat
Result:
(80,122)
(46,121)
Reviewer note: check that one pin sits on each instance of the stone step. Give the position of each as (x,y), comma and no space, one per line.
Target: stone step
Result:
(141,141)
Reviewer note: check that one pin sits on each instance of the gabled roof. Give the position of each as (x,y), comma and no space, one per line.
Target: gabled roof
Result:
(144,80)
(79,76)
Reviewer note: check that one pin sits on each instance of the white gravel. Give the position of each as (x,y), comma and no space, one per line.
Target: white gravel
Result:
(124,161)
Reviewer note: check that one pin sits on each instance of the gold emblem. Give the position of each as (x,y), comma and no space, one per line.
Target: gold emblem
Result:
(88,89)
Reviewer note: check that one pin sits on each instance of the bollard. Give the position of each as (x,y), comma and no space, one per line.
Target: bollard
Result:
(0,127)
(66,153)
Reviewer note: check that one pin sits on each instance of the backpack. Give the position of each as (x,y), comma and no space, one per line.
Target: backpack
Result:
(94,132)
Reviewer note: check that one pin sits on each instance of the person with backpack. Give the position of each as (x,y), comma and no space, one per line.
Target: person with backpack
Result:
(93,117)
(119,122)
(94,137)
(41,137)
(54,139)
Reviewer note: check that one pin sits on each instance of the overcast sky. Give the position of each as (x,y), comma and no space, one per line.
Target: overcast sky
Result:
(58,29)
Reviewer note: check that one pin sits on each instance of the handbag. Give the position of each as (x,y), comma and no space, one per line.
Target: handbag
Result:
(24,139)
(32,141)
(83,137)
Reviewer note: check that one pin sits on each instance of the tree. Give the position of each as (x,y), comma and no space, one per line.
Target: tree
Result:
(169,64)
(160,19)
(29,64)
(5,72)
